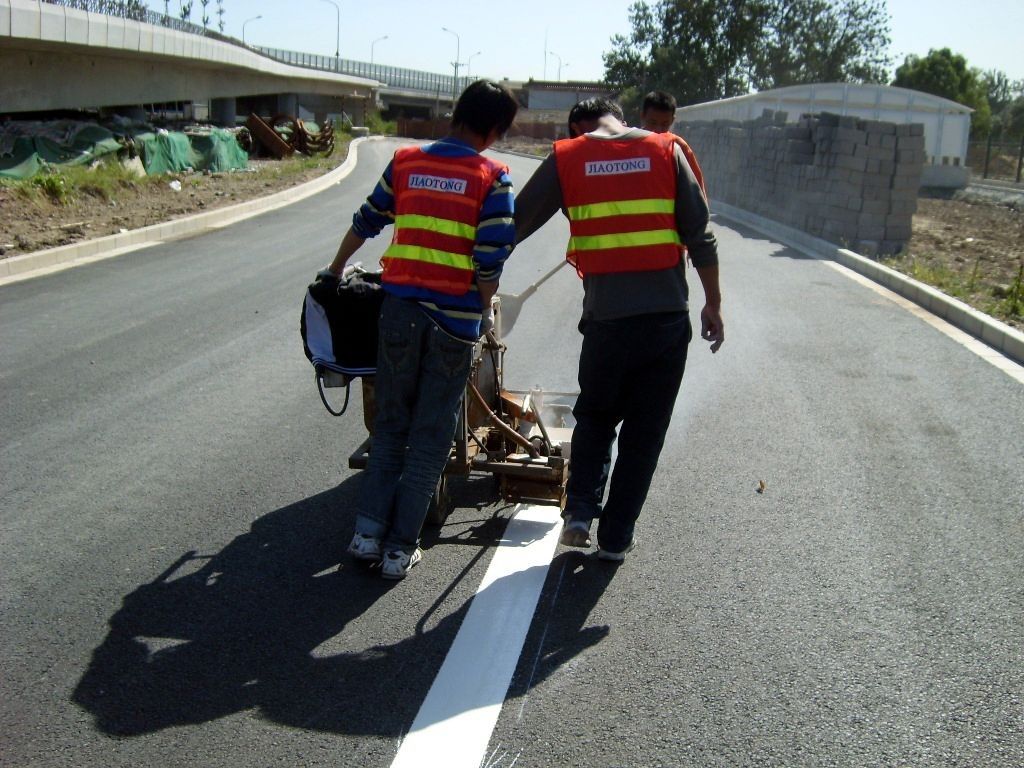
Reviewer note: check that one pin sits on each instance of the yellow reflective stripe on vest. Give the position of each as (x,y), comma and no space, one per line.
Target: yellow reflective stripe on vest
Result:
(624,240)
(428,255)
(621,208)
(434,224)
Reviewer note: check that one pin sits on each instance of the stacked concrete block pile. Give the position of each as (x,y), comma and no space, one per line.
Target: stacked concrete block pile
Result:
(852,182)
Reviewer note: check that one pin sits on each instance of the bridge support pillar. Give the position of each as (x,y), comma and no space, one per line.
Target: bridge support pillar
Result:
(223,111)
(288,104)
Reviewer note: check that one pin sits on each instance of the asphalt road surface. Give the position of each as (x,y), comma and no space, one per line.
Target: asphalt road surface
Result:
(176,502)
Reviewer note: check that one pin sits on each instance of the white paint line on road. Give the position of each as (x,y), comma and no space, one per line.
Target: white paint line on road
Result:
(455,721)
(1000,361)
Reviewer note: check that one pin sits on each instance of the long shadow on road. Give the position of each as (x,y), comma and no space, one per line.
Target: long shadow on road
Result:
(215,635)
(780,250)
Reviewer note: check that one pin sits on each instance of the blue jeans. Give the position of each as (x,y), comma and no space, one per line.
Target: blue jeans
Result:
(421,379)
(630,372)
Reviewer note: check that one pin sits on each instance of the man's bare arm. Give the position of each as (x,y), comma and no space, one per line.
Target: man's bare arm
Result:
(350,243)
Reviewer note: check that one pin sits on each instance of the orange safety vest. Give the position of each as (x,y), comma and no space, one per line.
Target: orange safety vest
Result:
(692,160)
(437,210)
(620,196)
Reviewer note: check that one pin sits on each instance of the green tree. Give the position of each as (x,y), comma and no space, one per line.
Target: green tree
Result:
(998,89)
(1013,119)
(944,73)
(807,41)
(695,49)
(706,49)
(1003,98)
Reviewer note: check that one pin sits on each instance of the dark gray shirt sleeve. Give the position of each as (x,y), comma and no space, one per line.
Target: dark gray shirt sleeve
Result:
(539,200)
(693,216)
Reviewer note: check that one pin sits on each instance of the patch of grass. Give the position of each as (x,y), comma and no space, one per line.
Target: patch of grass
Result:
(297,164)
(949,281)
(103,181)
(62,185)
(1001,302)
(53,185)
(379,125)
(1011,306)
(23,189)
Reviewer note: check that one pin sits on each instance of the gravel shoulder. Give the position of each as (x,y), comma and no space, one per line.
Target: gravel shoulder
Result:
(971,246)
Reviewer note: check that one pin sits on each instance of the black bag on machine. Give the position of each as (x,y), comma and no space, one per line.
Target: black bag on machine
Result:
(339,329)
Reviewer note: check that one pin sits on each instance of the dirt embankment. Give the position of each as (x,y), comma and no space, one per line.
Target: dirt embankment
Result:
(32,221)
(971,247)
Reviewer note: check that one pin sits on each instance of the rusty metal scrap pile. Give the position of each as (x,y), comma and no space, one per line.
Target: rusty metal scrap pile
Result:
(284,135)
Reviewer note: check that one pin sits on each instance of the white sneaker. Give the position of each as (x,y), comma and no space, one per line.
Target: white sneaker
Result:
(615,557)
(396,563)
(365,547)
(575,533)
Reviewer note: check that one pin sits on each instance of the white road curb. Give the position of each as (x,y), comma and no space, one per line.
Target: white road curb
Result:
(30,265)
(998,335)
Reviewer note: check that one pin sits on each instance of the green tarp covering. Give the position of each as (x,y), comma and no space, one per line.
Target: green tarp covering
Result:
(220,151)
(161,152)
(165,152)
(29,153)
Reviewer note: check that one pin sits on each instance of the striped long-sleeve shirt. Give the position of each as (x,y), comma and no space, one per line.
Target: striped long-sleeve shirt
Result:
(495,237)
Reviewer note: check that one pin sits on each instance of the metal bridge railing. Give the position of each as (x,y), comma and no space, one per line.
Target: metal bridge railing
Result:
(395,77)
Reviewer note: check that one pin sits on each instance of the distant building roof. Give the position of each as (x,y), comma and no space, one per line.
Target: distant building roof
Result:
(568,85)
(832,97)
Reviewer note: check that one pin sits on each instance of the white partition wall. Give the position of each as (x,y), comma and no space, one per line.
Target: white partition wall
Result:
(947,125)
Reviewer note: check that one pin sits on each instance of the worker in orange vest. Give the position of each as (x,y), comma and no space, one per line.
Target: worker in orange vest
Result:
(657,115)
(452,213)
(633,202)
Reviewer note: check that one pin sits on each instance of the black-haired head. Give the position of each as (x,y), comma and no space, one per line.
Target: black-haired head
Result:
(591,110)
(485,106)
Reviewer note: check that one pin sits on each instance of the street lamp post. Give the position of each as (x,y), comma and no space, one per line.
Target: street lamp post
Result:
(469,61)
(337,35)
(455,64)
(385,37)
(246,22)
(559,64)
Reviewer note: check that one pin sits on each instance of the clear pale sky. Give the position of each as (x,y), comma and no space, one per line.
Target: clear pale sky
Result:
(510,36)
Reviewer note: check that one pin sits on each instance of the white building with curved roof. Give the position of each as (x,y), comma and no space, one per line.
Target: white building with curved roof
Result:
(947,125)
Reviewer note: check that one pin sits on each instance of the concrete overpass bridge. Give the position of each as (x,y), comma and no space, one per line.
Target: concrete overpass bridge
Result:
(54,57)
(410,91)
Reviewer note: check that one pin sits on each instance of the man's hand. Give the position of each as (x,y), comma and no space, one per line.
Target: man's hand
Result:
(711,327)
(486,321)
(328,274)
(350,243)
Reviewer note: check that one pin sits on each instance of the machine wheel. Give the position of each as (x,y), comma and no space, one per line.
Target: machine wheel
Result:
(440,503)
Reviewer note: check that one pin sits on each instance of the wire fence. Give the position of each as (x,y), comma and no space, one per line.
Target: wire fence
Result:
(1003,160)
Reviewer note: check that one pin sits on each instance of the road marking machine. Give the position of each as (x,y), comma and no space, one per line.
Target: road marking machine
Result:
(522,438)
